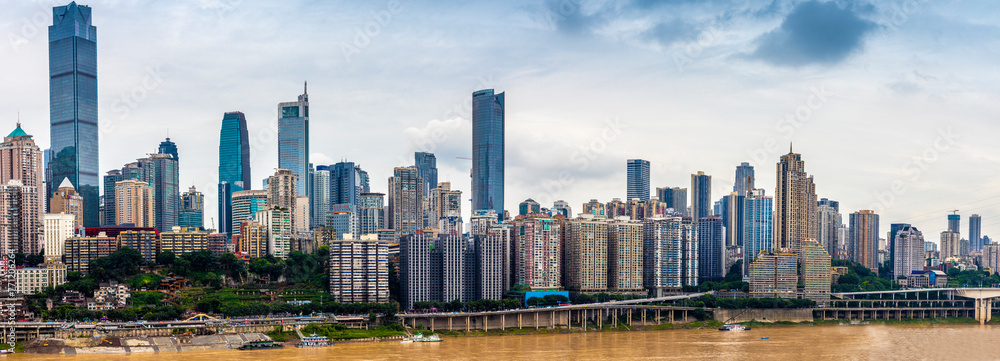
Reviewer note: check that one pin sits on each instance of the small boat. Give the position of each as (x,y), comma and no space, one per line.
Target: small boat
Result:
(5,352)
(421,338)
(734,327)
(765,338)
(314,340)
(262,344)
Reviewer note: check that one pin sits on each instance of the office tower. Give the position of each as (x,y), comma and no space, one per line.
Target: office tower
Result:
(758,228)
(951,245)
(234,167)
(245,205)
(585,254)
(562,207)
(732,213)
(774,275)
(320,195)
(595,208)
(344,221)
(278,222)
(182,241)
(293,141)
(135,203)
(637,185)
(488,150)
(894,229)
(529,206)
(444,202)
(701,196)
(616,208)
(145,240)
(81,250)
(405,200)
(955,223)
(864,238)
(192,209)
(166,187)
(426,164)
(66,200)
(794,204)
(371,213)
(991,257)
(57,228)
(975,233)
(815,272)
(253,239)
(537,252)
(829,222)
(168,147)
(624,245)
(744,179)
(347,182)
(908,253)
(711,249)
(675,198)
(74,151)
(21,166)
(359,270)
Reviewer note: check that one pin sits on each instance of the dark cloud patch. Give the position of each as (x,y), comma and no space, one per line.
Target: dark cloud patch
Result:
(669,32)
(814,33)
(568,17)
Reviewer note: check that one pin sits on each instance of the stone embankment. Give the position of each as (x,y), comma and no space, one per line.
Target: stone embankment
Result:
(125,345)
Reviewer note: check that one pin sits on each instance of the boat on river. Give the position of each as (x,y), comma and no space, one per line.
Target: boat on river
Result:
(421,338)
(261,344)
(314,340)
(734,327)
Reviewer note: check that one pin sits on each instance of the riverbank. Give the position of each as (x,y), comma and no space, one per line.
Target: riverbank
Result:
(129,345)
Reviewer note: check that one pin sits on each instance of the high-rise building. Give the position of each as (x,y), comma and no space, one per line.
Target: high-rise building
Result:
(675,198)
(74,151)
(145,240)
(595,208)
(758,227)
(732,212)
(637,185)
(711,249)
(444,202)
(293,141)
(234,167)
(434,268)
(562,207)
(344,221)
(955,223)
(951,244)
(774,275)
(624,245)
(529,206)
(81,250)
(991,257)
(359,270)
(815,272)
(405,200)
(135,203)
(281,193)
(168,147)
(278,222)
(829,222)
(585,254)
(488,256)
(744,182)
(192,213)
(253,239)
(794,204)
(616,208)
(320,195)
(908,251)
(166,188)
(245,205)
(975,233)
(480,222)
(347,182)
(426,164)
(66,200)
(701,196)
(57,228)
(21,163)
(894,229)
(670,254)
(371,213)
(864,238)
(181,241)
(488,150)
(537,252)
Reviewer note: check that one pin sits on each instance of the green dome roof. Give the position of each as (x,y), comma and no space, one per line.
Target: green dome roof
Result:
(17,132)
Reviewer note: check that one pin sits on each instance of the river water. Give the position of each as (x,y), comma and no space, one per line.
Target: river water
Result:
(785,343)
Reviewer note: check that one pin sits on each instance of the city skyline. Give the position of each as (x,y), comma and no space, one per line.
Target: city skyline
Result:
(532,111)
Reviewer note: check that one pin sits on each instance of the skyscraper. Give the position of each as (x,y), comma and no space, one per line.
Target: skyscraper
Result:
(758,229)
(908,252)
(19,230)
(864,238)
(166,187)
(21,161)
(675,198)
(293,140)
(134,203)
(320,195)
(371,213)
(624,245)
(701,196)
(951,245)
(955,223)
(537,252)
(444,202)
(168,147)
(894,229)
(405,200)
(975,233)
(744,179)
(815,272)
(585,253)
(711,249)
(192,209)
(234,166)
(488,151)
(829,222)
(245,205)
(529,206)
(73,105)
(794,203)
(732,213)
(637,185)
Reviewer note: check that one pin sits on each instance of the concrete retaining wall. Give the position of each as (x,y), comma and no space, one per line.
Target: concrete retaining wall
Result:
(764,315)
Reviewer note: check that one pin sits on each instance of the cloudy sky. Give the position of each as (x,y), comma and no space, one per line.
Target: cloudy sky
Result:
(892,104)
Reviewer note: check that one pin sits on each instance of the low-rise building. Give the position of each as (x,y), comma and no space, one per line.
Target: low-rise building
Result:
(31,280)
(184,240)
(114,293)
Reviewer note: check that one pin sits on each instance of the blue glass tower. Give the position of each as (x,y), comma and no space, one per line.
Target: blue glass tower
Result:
(168,147)
(637,186)
(744,179)
(758,227)
(427,169)
(73,105)
(293,140)
(234,165)
(488,151)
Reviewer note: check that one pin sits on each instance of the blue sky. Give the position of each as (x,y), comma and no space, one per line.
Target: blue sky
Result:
(860,88)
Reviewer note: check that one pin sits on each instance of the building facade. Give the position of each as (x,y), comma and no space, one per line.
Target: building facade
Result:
(405,200)
(585,254)
(637,182)
(66,200)
(625,246)
(359,270)
(488,150)
(192,213)
(711,249)
(135,203)
(864,238)
(538,251)
(815,272)
(293,142)
(701,195)
(774,275)
(794,204)
(908,252)
(234,167)
(830,221)
(758,230)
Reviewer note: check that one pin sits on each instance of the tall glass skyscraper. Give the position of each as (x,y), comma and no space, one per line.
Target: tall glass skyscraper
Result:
(234,166)
(744,179)
(426,164)
(488,151)
(293,140)
(73,106)
(701,195)
(637,186)
(758,230)
(975,233)
(168,147)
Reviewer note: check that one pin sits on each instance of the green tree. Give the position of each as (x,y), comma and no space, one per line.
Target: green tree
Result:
(165,258)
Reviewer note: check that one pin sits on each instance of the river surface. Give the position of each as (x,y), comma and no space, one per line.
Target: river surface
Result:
(785,343)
